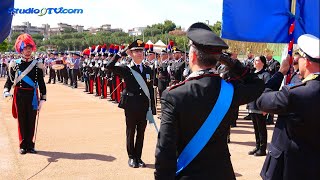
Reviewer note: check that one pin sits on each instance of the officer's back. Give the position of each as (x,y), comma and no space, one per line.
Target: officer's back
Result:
(186,106)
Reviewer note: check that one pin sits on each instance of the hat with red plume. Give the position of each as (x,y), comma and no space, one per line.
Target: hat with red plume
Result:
(86,52)
(23,41)
(170,45)
(104,48)
(116,49)
(111,49)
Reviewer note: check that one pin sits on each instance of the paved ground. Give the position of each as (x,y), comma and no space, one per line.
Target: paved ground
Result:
(82,137)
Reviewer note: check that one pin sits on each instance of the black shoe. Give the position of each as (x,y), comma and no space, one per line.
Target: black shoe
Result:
(260,153)
(85,91)
(228,140)
(32,151)
(101,97)
(253,151)
(22,151)
(48,82)
(133,163)
(141,163)
(247,117)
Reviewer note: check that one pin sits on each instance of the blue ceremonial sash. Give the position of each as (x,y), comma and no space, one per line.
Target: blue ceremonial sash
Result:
(29,81)
(201,138)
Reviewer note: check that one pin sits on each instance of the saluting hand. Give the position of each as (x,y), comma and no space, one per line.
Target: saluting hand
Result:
(285,65)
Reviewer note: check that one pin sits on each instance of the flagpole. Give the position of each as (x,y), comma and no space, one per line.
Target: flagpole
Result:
(291,38)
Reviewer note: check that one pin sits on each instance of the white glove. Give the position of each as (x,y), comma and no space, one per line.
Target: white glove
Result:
(6,94)
(40,104)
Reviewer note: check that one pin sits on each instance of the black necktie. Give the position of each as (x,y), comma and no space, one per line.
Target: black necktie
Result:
(138,66)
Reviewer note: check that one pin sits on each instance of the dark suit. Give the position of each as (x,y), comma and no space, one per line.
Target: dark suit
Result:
(185,107)
(273,66)
(294,149)
(258,119)
(163,77)
(176,70)
(135,104)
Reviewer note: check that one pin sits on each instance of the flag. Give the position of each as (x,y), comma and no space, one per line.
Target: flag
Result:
(268,20)
(5,18)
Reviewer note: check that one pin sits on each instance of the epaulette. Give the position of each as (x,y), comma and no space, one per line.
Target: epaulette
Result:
(294,85)
(177,85)
(12,64)
(40,65)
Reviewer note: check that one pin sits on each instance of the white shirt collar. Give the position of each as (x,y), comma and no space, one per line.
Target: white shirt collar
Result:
(140,66)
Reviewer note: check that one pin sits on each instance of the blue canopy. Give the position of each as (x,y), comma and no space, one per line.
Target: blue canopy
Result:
(5,18)
(268,20)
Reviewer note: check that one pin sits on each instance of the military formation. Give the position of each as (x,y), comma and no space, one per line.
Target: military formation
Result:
(169,67)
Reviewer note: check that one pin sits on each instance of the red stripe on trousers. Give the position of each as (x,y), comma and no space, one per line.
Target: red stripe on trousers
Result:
(105,82)
(99,86)
(91,86)
(118,90)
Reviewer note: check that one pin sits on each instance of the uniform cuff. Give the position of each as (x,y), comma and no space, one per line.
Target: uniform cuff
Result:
(5,90)
(43,97)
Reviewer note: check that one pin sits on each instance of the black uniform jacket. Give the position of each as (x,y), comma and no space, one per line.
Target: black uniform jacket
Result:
(273,66)
(176,69)
(265,76)
(294,152)
(185,107)
(36,75)
(133,97)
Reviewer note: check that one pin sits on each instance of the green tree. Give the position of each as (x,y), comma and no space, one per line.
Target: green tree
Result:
(4,46)
(216,28)
(37,36)
(169,26)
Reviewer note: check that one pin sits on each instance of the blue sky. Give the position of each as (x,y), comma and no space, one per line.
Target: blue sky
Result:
(123,14)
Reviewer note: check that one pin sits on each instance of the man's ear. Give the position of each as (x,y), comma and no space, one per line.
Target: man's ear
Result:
(193,57)
(308,63)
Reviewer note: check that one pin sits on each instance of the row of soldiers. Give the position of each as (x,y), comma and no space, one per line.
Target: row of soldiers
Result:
(169,67)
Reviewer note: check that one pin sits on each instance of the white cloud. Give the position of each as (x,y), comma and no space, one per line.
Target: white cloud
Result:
(123,14)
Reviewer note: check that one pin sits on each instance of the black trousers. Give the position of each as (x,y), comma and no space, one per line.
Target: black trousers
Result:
(26,118)
(97,84)
(86,81)
(135,121)
(74,77)
(64,73)
(52,75)
(59,76)
(260,130)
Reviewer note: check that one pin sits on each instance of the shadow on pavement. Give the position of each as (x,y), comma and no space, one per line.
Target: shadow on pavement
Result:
(55,156)
(237,174)
(248,143)
(150,166)
(239,131)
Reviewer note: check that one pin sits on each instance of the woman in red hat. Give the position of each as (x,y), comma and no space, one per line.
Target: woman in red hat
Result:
(26,76)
